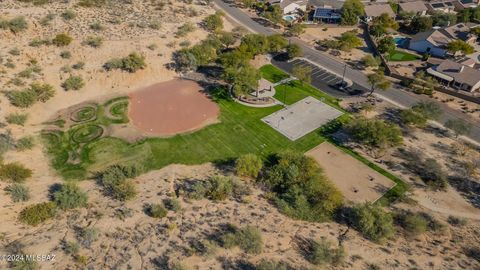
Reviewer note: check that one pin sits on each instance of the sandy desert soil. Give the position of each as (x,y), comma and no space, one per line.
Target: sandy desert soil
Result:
(136,241)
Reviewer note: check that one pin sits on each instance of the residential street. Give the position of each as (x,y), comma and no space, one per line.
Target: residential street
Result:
(395,95)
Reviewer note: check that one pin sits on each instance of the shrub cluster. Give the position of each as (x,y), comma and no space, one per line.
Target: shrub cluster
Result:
(132,63)
(73,83)
(116,183)
(16,25)
(248,238)
(248,165)
(373,222)
(14,172)
(18,192)
(265,264)
(27,97)
(37,213)
(301,189)
(322,253)
(156,210)
(62,40)
(70,196)
(93,41)
(17,118)
(217,188)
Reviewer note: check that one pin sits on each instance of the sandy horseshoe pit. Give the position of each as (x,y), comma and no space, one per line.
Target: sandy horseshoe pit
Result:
(172,107)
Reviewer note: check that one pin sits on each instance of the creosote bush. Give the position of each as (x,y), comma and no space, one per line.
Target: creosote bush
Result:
(93,41)
(373,222)
(18,192)
(16,25)
(17,118)
(37,213)
(115,181)
(218,188)
(322,253)
(132,63)
(248,238)
(156,210)
(73,83)
(25,143)
(62,40)
(27,97)
(14,172)
(248,165)
(70,196)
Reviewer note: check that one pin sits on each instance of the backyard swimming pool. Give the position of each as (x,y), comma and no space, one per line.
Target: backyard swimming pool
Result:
(401,42)
(289,18)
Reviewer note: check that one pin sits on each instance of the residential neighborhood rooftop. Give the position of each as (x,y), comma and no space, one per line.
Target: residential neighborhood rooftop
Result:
(414,6)
(376,10)
(460,73)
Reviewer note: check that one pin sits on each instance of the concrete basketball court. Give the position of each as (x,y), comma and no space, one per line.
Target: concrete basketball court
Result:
(301,118)
(357,182)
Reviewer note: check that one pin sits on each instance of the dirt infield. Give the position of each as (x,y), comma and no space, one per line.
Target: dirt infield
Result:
(172,107)
(356,181)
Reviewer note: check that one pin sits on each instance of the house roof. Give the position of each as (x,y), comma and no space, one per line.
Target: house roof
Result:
(326,13)
(376,10)
(436,37)
(441,4)
(461,73)
(327,3)
(286,3)
(415,6)
(443,36)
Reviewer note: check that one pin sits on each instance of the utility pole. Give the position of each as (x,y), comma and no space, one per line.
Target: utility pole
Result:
(343,77)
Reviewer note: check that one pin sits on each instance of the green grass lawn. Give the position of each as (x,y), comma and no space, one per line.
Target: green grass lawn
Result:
(294,91)
(240,131)
(273,74)
(402,56)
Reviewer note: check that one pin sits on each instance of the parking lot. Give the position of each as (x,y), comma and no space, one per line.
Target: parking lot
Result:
(319,73)
(321,78)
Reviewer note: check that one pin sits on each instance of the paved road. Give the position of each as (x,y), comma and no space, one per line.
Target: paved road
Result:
(395,95)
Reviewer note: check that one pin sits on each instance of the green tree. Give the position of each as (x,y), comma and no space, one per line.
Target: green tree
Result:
(293,50)
(410,117)
(277,43)
(458,126)
(296,30)
(214,22)
(370,61)
(460,46)
(301,189)
(386,45)
(302,73)
(70,196)
(243,79)
(351,10)
(248,165)
(421,24)
(254,44)
(349,40)
(274,14)
(443,19)
(465,15)
(373,222)
(377,80)
(376,134)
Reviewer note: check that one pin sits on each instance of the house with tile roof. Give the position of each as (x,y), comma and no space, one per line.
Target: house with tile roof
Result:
(435,41)
(375,10)
(417,7)
(456,75)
